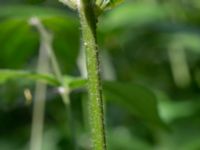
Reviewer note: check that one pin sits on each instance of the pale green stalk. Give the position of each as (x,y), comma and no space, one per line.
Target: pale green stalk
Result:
(64,91)
(86,9)
(39,103)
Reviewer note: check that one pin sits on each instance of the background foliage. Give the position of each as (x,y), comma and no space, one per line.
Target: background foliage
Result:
(149,53)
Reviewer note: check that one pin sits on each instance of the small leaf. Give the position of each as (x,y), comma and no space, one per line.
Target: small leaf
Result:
(135,98)
(6,75)
(69,81)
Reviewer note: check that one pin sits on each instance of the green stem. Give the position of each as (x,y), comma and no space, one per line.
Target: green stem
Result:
(39,103)
(96,113)
(46,38)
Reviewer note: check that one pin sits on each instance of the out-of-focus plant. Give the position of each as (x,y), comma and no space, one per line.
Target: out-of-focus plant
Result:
(154,51)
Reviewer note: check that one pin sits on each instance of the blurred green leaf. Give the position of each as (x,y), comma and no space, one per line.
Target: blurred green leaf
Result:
(17,35)
(17,43)
(132,14)
(121,138)
(6,75)
(135,98)
(27,11)
(69,81)
(74,82)
(171,110)
(35,1)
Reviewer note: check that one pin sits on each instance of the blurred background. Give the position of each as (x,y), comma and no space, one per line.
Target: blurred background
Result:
(150,50)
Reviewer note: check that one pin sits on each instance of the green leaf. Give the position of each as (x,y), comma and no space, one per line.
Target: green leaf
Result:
(135,98)
(27,11)
(17,35)
(132,14)
(6,75)
(17,43)
(69,81)
(122,138)
(74,82)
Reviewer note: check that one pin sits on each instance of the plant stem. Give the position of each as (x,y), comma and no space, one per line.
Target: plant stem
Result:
(39,103)
(46,38)
(96,114)
(64,92)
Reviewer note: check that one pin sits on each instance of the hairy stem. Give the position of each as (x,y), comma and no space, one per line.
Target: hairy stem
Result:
(96,114)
